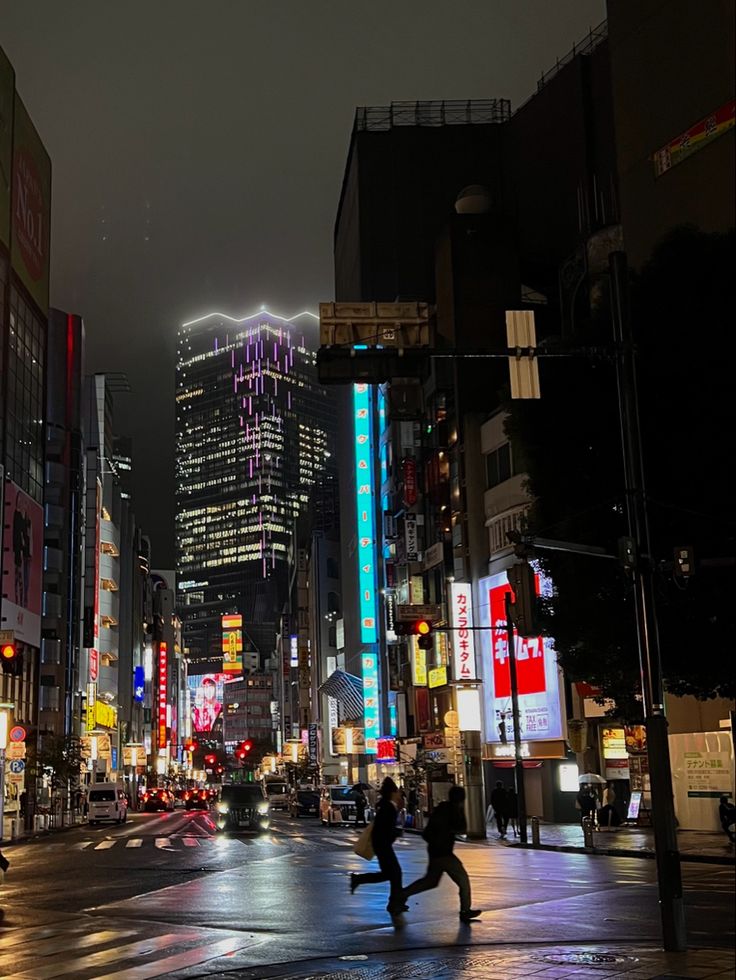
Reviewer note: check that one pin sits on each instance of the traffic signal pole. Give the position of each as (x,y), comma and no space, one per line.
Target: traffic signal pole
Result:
(519,764)
(669,875)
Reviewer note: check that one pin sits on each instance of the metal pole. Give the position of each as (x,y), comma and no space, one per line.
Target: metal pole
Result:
(2,793)
(519,767)
(669,876)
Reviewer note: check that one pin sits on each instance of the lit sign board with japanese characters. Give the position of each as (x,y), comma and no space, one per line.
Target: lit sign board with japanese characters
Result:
(365,511)
(461,619)
(539,679)
(370,702)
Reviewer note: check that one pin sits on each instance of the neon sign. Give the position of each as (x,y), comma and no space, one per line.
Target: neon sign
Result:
(463,644)
(365,503)
(371,722)
(162,693)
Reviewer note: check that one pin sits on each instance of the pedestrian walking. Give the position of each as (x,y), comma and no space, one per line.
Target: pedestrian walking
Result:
(361,804)
(383,835)
(608,816)
(512,809)
(587,803)
(499,802)
(445,824)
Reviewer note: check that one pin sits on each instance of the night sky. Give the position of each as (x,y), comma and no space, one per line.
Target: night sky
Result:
(198,152)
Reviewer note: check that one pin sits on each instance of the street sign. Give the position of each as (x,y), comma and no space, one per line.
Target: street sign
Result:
(405,613)
(17,765)
(7,636)
(17,734)
(15,750)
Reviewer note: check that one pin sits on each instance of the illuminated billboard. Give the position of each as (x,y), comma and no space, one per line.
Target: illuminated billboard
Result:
(371,718)
(232,643)
(205,698)
(541,699)
(365,507)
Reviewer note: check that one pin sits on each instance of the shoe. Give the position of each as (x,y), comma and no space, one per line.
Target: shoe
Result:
(469,914)
(353,882)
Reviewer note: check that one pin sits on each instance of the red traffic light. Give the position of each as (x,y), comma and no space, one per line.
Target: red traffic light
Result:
(422,627)
(8,652)
(10,658)
(210,759)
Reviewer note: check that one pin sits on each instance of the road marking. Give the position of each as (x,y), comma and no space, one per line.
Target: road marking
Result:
(104,845)
(180,961)
(163,842)
(80,846)
(190,841)
(134,842)
(63,944)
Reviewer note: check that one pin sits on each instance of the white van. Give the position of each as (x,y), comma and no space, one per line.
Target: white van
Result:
(107,801)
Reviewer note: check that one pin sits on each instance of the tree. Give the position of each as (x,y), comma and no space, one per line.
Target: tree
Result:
(61,754)
(569,445)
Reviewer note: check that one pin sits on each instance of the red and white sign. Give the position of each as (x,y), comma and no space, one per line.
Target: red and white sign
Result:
(163,657)
(385,750)
(539,679)
(409,468)
(94,664)
(17,734)
(463,643)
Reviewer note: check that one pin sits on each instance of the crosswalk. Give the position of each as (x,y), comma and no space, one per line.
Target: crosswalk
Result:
(110,952)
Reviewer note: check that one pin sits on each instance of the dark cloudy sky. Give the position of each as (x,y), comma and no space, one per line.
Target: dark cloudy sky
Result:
(198,150)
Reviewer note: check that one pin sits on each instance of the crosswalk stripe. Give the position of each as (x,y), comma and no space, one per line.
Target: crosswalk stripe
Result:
(106,957)
(62,943)
(105,845)
(179,961)
(190,841)
(81,845)
(163,842)
(134,842)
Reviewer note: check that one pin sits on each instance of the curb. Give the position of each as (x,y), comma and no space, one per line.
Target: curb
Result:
(39,835)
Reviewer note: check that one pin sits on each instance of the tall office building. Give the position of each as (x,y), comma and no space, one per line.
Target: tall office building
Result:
(253,441)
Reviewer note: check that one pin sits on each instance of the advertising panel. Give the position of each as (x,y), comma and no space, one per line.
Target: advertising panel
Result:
(461,620)
(163,692)
(205,698)
(365,506)
(7,96)
(702,772)
(409,467)
(31,208)
(22,565)
(541,704)
(371,720)
(232,643)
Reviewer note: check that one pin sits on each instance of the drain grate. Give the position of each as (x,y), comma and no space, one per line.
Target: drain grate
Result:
(585,959)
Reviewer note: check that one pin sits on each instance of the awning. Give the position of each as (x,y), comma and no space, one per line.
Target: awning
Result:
(347,689)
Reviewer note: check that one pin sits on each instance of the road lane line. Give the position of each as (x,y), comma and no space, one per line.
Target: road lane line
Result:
(64,943)
(134,842)
(104,845)
(180,961)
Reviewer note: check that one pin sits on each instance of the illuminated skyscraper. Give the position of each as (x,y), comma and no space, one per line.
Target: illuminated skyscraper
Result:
(253,439)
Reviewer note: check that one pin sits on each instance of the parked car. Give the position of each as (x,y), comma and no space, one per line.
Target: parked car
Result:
(107,801)
(180,796)
(337,805)
(196,799)
(156,800)
(242,806)
(304,802)
(277,792)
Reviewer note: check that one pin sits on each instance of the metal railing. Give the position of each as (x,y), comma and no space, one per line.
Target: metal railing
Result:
(470,112)
(588,44)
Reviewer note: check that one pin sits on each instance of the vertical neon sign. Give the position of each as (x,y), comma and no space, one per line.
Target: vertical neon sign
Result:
(366,532)
(365,503)
(162,693)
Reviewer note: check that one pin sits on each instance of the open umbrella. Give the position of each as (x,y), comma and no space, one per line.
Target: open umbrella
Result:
(590,777)
(359,786)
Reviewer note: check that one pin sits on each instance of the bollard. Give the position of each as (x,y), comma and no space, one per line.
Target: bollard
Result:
(535,831)
(587,832)
(13,829)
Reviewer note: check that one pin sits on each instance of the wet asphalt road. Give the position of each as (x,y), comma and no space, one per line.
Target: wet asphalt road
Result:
(163,895)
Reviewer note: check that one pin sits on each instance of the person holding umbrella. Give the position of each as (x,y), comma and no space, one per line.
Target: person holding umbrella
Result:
(587,799)
(361,803)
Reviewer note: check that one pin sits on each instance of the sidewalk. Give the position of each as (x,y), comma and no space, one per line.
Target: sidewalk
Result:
(501,963)
(21,835)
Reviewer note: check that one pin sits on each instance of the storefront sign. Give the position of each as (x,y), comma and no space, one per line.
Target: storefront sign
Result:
(435,740)
(105,716)
(434,555)
(365,511)
(312,743)
(371,720)
(613,743)
(232,643)
(461,620)
(94,664)
(418,664)
(386,750)
(139,684)
(437,677)
(162,693)
(348,741)
(541,697)
(91,698)
(409,468)
(411,538)
(695,138)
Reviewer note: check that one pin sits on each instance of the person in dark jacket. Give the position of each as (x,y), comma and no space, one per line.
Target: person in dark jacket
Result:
(383,835)
(499,802)
(446,822)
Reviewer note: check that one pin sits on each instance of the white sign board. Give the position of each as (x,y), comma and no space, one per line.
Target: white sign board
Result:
(463,642)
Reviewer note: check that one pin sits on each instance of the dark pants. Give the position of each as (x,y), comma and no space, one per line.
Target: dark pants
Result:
(451,865)
(390,871)
(502,822)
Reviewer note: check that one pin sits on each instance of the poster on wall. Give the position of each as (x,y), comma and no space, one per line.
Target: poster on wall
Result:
(702,772)
(205,699)
(541,697)
(22,565)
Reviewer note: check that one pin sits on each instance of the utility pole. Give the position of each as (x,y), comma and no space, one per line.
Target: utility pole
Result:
(669,876)
(519,764)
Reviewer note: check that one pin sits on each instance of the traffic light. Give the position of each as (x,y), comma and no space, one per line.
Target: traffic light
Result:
(11,659)
(421,628)
(210,759)
(524,607)
(190,746)
(243,750)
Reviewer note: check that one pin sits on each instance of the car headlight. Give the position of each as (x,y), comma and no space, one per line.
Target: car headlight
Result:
(223,808)
(263,807)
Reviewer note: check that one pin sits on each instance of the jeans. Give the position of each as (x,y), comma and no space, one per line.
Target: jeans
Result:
(390,871)
(438,866)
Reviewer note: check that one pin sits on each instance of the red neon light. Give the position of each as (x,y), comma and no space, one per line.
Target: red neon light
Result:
(162,693)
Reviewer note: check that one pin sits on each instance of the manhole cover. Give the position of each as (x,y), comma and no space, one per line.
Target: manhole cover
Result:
(587,959)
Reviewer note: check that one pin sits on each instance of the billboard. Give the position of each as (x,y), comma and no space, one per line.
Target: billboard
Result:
(232,643)
(7,95)
(205,699)
(365,504)
(22,565)
(31,208)
(541,704)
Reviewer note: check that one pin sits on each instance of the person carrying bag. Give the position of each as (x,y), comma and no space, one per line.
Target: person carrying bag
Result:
(364,845)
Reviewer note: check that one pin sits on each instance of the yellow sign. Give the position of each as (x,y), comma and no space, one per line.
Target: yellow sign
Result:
(438,676)
(91,699)
(105,716)
(418,665)
(613,741)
